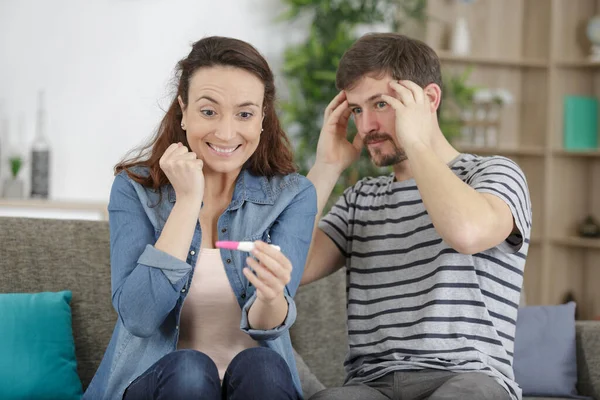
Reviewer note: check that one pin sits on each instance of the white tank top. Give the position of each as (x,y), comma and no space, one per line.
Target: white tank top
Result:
(210,317)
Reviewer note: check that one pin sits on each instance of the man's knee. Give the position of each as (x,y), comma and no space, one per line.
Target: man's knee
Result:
(338,393)
(470,386)
(351,392)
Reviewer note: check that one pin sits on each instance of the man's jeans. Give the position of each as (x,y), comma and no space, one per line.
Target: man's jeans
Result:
(256,373)
(426,384)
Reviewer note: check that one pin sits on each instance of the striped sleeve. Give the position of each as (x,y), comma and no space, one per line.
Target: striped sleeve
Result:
(503,178)
(336,223)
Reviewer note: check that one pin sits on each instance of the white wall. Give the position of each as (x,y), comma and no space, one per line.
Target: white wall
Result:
(106,67)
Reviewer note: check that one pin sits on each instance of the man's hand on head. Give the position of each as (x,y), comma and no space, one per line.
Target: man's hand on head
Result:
(334,149)
(415,114)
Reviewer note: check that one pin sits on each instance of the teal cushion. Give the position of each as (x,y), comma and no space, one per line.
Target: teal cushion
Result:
(37,350)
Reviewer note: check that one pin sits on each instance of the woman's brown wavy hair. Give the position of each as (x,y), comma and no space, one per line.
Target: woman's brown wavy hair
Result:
(273,155)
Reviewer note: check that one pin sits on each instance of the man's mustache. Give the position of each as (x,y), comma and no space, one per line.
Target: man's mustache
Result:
(376,137)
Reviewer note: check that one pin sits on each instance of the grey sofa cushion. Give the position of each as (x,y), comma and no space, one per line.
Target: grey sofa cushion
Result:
(310,383)
(319,333)
(53,255)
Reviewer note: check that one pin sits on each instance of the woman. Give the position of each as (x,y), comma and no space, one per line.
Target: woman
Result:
(194,322)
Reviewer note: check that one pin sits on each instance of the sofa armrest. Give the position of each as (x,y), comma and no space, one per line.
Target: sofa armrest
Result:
(588,358)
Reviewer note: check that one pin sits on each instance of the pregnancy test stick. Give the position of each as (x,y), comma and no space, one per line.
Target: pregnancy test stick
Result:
(240,246)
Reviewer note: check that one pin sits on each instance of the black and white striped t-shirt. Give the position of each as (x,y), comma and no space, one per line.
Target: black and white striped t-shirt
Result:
(414,302)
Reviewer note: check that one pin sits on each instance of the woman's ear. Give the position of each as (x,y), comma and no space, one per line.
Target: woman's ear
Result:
(433,94)
(182,106)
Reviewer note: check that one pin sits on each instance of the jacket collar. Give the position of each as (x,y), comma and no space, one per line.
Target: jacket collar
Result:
(248,187)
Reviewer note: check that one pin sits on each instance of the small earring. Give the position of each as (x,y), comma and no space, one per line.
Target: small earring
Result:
(262,129)
(182,125)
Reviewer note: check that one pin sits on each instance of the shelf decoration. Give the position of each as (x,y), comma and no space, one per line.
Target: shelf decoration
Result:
(460,42)
(580,123)
(13,187)
(589,228)
(481,123)
(593,34)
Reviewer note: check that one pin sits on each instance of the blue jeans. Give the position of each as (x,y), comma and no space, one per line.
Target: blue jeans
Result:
(256,373)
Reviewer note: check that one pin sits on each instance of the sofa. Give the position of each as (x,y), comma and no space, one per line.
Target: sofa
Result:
(53,255)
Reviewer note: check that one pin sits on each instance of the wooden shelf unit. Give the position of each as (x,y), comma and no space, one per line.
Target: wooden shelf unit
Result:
(447,57)
(576,241)
(575,154)
(536,50)
(505,151)
(578,64)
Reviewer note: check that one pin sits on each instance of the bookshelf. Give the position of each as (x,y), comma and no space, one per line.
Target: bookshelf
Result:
(538,51)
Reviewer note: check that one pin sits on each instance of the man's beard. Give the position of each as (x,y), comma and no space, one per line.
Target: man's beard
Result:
(379,158)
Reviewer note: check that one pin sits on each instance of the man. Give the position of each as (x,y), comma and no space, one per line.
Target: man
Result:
(434,252)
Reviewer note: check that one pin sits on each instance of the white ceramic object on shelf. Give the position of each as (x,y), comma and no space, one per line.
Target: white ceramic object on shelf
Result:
(461,38)
(13,188)
(593,34)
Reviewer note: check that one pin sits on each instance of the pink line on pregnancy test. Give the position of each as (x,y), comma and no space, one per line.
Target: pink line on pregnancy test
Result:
(240,246)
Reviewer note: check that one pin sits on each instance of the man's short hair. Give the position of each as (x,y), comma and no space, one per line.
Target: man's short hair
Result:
(378,54)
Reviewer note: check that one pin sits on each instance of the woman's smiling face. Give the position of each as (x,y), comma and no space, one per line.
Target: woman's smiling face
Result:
(223,117)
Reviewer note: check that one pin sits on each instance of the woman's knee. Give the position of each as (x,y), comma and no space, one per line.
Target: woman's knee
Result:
(189,371)
(260,365)
(259,361)
(259,373)
(190,360)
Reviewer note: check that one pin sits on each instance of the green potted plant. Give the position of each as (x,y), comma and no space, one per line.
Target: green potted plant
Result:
(309,70)
(13,186)
(310,67)
(457,100)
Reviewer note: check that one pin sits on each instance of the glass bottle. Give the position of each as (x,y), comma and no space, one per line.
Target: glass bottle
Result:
(40,154)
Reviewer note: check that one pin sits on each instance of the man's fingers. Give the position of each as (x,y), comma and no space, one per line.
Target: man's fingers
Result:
(417,91)
(334,103)
(347,113)
(339,113)
(392,101)
(405,95)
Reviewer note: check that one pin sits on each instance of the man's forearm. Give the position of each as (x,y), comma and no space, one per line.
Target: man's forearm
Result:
(266,316)
(459,213)
(324,178)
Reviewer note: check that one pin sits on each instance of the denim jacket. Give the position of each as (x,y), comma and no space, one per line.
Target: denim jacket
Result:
(149,286)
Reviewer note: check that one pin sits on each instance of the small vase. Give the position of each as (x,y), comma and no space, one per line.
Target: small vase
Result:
(589,228)
(593,34)
(363,29)
(13,189)
(461,39)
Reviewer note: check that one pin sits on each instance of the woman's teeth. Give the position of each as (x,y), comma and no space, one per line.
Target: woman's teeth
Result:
(224,150)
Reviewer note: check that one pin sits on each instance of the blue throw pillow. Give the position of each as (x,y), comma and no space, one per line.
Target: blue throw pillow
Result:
(37,350)
(545,359)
